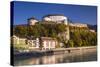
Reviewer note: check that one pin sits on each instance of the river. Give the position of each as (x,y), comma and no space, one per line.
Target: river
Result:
(81,56)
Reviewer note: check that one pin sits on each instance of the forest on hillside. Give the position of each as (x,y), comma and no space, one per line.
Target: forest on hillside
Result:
(78,36)
(82,37)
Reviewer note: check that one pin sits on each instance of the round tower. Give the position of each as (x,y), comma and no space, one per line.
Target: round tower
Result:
(32,21)
(58,18)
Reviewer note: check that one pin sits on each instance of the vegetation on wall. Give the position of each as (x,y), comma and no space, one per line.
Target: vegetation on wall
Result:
(78,36)
(82,37)
(40,29)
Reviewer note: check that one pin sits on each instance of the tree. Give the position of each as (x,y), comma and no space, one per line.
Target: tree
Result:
(71,43)
(20,31)
(83,37)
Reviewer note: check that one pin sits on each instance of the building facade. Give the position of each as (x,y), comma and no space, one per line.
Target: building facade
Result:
(48,43)
(32,21)
(18,40)
(58,18)
(78,25)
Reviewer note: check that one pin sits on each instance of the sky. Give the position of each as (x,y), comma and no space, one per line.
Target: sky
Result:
(76,13)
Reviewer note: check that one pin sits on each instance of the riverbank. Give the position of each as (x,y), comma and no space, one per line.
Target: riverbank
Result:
(39,53)
(79,54)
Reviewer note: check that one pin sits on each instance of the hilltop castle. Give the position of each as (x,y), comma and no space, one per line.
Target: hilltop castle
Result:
(57,18)
(48,42)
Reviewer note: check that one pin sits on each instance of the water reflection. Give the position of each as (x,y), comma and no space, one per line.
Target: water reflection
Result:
(60,58)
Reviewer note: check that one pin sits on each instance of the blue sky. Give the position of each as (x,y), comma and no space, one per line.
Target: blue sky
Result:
(76,13)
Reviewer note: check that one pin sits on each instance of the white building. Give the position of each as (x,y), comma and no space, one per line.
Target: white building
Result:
(17,40)
(32,21)
(78,25)
(48,42)
(92,30)
(33,42)
(30,42)
(58,18)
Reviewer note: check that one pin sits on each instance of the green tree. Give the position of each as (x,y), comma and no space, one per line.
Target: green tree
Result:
(71,43)
(20,31)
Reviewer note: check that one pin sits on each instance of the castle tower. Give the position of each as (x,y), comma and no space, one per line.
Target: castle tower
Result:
(57,18)
(32,21)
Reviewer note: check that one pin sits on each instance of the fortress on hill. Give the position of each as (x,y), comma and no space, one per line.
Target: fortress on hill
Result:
(48,42)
